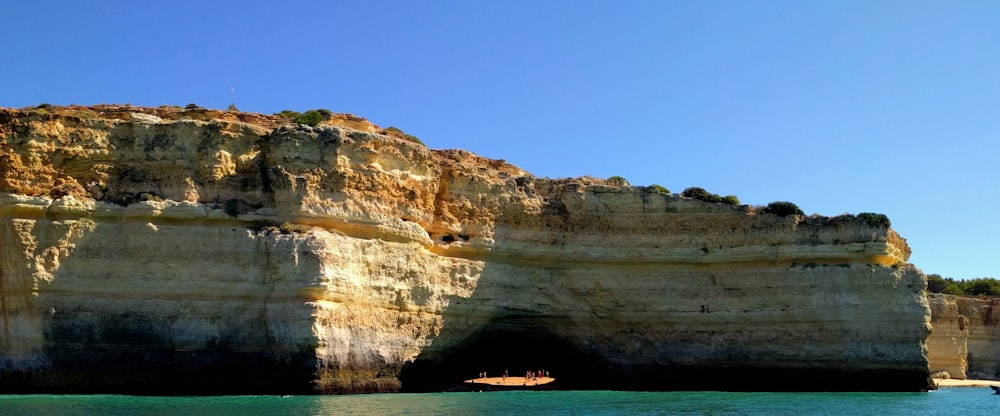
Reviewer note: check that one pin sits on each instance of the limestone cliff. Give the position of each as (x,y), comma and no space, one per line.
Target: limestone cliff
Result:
(965,341)
(177,251)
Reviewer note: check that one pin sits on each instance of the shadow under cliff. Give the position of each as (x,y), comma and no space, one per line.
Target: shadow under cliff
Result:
(125,315)
(514,343)
(519,320)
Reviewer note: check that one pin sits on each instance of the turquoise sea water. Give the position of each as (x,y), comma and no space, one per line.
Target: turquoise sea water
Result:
(965,401)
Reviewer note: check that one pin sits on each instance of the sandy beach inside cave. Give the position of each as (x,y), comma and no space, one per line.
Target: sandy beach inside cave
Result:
(511,381)
(520,381)
(953,382)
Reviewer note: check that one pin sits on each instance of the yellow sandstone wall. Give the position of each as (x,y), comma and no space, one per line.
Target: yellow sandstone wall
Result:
(964,341)
(146,248)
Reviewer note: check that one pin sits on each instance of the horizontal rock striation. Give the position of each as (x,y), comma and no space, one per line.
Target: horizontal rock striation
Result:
(168,251)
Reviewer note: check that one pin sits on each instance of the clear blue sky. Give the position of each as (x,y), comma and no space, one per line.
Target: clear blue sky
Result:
(838,106)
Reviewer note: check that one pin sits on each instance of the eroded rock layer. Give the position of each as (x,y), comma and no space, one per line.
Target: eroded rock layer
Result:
(966,337)
(191,251)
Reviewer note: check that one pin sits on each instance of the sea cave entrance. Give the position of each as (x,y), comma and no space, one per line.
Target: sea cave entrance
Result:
(514,344)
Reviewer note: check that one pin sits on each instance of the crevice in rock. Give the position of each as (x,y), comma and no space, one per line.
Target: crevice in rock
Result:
(263,169)
(269,283)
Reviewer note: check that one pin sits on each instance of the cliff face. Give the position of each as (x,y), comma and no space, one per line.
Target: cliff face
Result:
(965,337)
(144,250)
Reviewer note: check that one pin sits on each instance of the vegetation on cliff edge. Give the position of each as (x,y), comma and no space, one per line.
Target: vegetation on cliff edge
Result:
(782,209)
(983,286)
(310,117)
(618,181)
(660,188)
(702,195)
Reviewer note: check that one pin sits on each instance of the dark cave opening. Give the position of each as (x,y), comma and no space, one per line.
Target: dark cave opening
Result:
(514,348)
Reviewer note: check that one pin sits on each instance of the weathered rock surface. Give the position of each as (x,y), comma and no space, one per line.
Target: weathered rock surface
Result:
(145,250)
(966,336)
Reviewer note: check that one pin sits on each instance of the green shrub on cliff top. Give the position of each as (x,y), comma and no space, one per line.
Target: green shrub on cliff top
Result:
(660,188)
(618,181)
(782,209)
(875,220)
(702,195)
(697,193)
(731,200)
(313,117)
